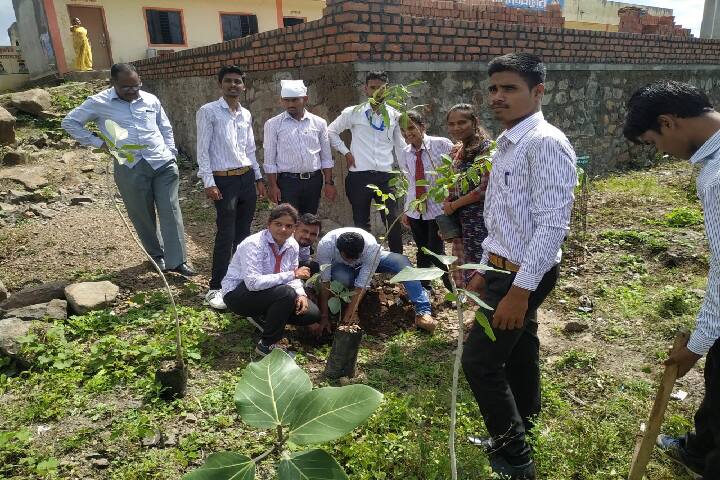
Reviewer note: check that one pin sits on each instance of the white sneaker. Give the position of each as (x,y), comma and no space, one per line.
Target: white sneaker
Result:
(214,298)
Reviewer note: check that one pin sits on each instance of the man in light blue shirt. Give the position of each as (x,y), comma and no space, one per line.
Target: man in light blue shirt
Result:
(678,119)
(150,183)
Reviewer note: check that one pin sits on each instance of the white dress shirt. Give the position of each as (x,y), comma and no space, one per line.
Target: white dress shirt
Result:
(372,144)
(254,264)
(225,140)
(529,198)
(432,149)
(296,146)
(143,118)
(328,254)
(707,329)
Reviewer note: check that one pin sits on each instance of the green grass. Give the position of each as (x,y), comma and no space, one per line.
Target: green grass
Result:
(93,384)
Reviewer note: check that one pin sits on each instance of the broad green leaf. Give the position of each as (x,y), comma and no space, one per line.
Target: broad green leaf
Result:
(450,297)
(224,466)
(268,390)
(445,259)
(328,413)
(411,273)
(310,465)
(385,115)
(422,183)
(485,324)
(336,287)
(473,296)
(334,305)
(480,266)
(132,146)
(115,131)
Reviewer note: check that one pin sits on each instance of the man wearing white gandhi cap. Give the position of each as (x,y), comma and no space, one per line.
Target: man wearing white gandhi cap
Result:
(298,161)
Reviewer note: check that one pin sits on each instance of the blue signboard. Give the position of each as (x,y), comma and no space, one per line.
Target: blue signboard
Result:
(533,4)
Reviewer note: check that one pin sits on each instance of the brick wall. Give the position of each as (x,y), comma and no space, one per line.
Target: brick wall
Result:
(388,30)
(637,20)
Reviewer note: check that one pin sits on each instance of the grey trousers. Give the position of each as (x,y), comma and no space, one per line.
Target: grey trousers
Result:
(145,191)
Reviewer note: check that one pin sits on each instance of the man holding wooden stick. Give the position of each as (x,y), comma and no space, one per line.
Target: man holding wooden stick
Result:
(678,119)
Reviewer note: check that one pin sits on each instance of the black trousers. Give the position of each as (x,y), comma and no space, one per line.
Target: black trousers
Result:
(706,437)
(425,234)
(505,375)
(234,217)
(360,198)
(275,304)
(301,194)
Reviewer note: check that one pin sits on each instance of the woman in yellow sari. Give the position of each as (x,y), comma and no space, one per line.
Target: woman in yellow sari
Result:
(83,53)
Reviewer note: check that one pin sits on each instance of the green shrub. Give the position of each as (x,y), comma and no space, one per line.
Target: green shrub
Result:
(684,217)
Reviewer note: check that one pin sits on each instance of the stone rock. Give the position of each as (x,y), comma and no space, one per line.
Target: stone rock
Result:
(31,181)
(32,101)
(575,327)
(7,208)
(79,200)
(3,292)
(87,168)
(42,212)
(7,127)
(55,309)
(152,440)
(11,329)
(20,196)
(572,289)
(34,295)
(101,462)
(15,157)
(86,296)
(40,141)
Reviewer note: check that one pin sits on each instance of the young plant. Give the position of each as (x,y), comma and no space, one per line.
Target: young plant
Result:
(174,379)
(459,297)
(276,394)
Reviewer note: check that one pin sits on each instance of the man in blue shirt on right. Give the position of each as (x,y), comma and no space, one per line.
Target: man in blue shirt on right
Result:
(678,119)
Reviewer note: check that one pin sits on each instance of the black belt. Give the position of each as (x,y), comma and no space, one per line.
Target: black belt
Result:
(301,176)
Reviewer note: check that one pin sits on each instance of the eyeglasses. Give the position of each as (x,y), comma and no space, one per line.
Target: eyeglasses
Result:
(131,88)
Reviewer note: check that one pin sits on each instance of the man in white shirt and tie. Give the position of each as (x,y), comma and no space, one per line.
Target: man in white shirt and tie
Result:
(229,171)
(298,160)
(370,157)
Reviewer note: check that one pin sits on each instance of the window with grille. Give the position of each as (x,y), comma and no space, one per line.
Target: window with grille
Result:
(237,25)
(165,27)
(290,21)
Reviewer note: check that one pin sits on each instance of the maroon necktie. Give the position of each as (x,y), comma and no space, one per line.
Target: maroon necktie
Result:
(419,174)
(278,256)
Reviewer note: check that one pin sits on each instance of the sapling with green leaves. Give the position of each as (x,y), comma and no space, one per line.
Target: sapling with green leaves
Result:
(174,379)
(275,394)
(459,297)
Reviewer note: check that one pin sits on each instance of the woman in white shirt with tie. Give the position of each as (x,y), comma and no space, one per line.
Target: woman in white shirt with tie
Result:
(264,280)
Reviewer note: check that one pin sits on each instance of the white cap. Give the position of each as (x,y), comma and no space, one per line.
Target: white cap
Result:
(292,89)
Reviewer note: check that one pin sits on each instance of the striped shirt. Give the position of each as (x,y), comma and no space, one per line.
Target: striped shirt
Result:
(529,198)
(254,264)
(373,142)
(432,149)
(225,140)
(328,254)
(707,329)
(143,118)
(296,146)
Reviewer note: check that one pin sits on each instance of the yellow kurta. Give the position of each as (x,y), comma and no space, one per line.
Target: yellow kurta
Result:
(83,53)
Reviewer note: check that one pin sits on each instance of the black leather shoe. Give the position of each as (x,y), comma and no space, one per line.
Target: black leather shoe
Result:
(184,269)
(160,263)
(501,466)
